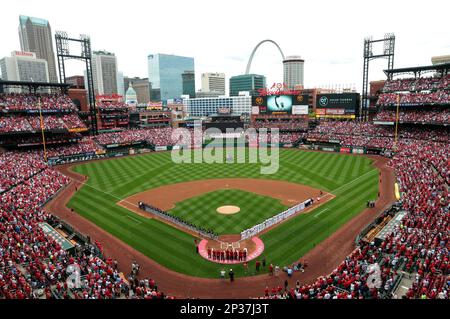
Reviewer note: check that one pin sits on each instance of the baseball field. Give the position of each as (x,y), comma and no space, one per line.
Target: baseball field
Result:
(352,180)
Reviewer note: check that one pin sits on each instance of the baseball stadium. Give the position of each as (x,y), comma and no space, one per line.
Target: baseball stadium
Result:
(310,194)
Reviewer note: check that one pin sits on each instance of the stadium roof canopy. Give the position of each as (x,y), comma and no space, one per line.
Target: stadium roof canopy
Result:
(418,69)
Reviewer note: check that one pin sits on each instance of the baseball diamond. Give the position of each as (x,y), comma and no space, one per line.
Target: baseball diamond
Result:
(256,185)
(352,180)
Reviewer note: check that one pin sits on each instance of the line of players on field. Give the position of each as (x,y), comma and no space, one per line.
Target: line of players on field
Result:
(227,255)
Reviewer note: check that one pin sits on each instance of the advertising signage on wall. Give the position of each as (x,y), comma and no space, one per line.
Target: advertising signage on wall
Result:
(300,109)
(338,103)
(223,110)
(281,104)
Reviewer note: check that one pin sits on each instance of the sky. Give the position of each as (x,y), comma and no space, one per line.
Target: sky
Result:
(221,35)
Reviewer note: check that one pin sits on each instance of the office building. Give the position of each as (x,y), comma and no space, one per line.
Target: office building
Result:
(120,84)
(188,78)
(208,94)
(441,59)
(202,107)
(35,35)
(293,72)
(104,71)
(165,75)
(141,87)
(76,81)
(213,82)
(247,82)
(23,66)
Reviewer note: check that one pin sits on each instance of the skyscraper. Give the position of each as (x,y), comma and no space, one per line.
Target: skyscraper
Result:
(293,69)
(188,78)
(213,82)
(165,75)
(104,70)
(247,82)
(36,36)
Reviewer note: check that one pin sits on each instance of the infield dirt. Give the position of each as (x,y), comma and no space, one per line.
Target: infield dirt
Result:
(322,259)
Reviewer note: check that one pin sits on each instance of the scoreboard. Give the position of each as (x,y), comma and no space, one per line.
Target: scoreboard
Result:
(280,104)
(338,105)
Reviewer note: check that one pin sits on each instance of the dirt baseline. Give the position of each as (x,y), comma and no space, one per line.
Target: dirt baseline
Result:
(322,259)
(165,197)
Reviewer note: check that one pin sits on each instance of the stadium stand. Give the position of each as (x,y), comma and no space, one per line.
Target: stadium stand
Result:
(433,116)
(30,102)
(418,247)
(417,84)
(32,264)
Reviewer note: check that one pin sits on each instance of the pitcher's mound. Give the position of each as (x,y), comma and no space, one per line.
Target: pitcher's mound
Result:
(228,210)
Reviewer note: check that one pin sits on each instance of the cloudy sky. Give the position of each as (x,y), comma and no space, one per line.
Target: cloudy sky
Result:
(220,35)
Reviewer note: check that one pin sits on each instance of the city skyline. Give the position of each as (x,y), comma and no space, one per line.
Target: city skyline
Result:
(333,55)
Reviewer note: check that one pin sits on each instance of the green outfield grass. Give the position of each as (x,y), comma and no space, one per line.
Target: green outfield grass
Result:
(201,210)
(352,179)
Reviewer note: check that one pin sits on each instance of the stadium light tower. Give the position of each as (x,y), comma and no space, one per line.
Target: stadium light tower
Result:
(387,53)
(63,53)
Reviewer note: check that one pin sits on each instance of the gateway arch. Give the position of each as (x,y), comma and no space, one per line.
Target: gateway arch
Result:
(249,64)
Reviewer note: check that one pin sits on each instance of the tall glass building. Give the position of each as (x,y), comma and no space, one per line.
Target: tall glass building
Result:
(247,82)
(188,78)
(165,75)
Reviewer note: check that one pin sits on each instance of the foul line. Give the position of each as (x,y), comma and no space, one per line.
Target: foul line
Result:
(97,189)
(131,217)
(349,183)
(320,213)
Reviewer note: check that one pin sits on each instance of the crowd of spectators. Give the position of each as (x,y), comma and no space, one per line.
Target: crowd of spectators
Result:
(156,137)
(433,116)
(350,280)
(85,145)
(422,241)
(73,121)
(17,167)
(12,124)
(288,124)
(350,128)
(419,246)
(111,104)
(366,134)
(34,265)
(417,84)
(31,262)
(423,98)
(30,101)
(20,123)
(63,115)
(23,244)
(287,137)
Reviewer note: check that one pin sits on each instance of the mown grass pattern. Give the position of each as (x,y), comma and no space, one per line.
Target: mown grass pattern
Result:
(202,210)
(351,178)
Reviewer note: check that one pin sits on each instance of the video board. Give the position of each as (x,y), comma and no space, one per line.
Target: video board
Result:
(339,105)
(280,104)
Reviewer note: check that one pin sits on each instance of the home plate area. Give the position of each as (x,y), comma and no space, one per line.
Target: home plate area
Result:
(231,253)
